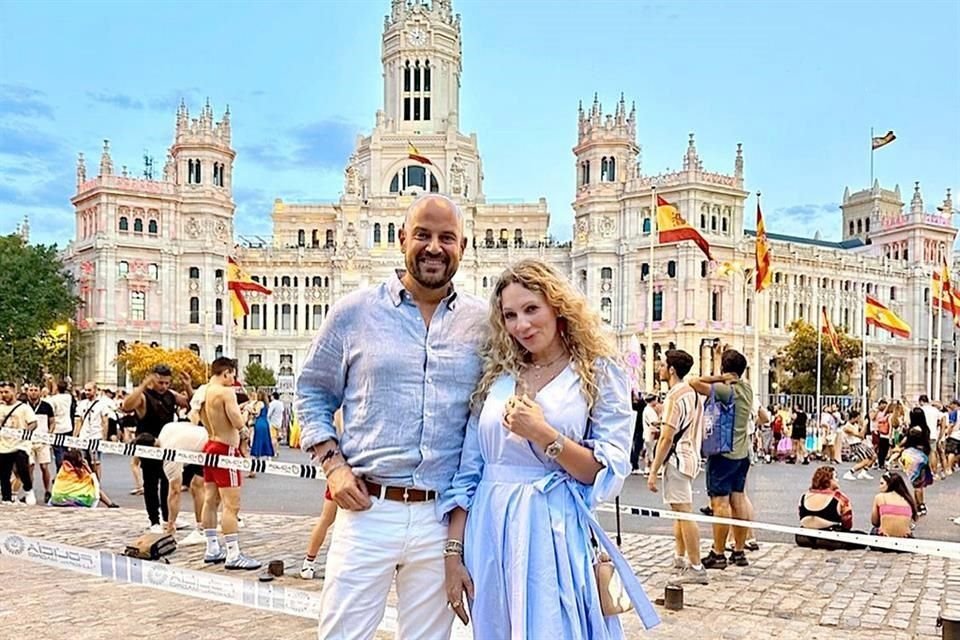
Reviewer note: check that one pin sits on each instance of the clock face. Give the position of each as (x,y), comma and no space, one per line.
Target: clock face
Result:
(417,37)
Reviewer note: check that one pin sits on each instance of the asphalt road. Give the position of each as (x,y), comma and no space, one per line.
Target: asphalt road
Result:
(774,488)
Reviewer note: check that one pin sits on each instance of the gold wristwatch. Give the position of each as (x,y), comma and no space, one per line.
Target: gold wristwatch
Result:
(555,448)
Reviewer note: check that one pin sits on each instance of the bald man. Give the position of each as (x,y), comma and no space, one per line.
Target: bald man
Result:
(400,446)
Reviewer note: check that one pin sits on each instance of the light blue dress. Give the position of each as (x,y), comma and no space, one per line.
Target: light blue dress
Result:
(527,542)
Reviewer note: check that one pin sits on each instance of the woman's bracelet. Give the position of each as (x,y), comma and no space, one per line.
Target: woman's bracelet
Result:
(453,548)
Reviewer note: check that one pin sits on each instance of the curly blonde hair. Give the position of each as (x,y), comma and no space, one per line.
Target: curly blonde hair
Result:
(581,330)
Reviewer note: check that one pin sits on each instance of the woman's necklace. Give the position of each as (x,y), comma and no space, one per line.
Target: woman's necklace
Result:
(549,364)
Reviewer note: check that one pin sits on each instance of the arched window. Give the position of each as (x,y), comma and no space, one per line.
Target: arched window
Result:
(326,282)
(195,348)
(285,317)
(189,171)
(255,317)
(586,173)
(376,233)
(285,281)
(893,293)
(416,177)
(859,226)
(644,271)
(152,227)
(218,274)
(672,268)
(434,185)
(296,283)
(395,184)
(391,233)
(851,227)
(194,273)
(317,281)
(153,271)
(198,178)
(485,282)
(646,226)
(218,351)
(301,238)
(123,268)
(713,223)
(218,312)
(488,238)
(749,313)
(603,169)
(194,310)
(703,221)
(406,76)
(518,238)
(723,224)
(866,225)
(606,273)
(314,238)
(317,316)
(138,225)
(124,223)
(329,238)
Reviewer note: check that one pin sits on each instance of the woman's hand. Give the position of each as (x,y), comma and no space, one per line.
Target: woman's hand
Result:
(524,417)
(456,582)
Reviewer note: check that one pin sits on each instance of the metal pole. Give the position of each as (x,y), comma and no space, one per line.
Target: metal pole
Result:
(928,370)
(871,160)
(938,372)
(758,316)
(68,351)
(648,374)
(863,344)
(816,298)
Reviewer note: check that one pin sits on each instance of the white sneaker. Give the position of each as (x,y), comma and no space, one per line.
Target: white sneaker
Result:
(30,499)
(849,476)
(863,475)
(956,520)
(155,528)
(308,570)
(194,537)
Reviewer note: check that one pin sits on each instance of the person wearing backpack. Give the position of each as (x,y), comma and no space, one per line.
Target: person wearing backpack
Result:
(728,459)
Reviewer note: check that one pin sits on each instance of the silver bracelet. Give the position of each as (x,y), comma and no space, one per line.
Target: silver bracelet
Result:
(453,548)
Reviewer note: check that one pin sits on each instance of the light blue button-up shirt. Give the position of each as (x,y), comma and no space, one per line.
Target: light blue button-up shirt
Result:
(404,387)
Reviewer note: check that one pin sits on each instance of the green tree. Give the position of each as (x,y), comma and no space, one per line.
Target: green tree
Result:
(37,297)
(256,375)
(800,361)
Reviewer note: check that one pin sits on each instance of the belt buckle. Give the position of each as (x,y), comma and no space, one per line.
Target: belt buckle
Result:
(406,495)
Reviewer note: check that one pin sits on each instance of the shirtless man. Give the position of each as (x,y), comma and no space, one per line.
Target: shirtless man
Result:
(220,414)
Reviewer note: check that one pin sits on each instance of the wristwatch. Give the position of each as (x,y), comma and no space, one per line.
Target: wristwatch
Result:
(555,448)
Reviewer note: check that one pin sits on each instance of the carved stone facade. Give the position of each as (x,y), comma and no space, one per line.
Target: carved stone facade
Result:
(140,285)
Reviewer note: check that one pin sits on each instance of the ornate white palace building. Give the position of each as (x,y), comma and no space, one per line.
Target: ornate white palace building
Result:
(149,255)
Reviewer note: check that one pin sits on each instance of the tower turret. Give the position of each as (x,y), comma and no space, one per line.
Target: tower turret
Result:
(201,151)
(606,150)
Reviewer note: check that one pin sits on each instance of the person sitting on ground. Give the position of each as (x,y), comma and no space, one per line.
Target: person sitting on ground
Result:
(894,510)
(854,432)
(824,507)
(76,485)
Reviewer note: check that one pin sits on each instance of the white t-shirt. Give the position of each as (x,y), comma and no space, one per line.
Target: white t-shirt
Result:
(61,402)
(651,423)
(933,420)
(92,413)
(851,433)
(185,436)
(275,413)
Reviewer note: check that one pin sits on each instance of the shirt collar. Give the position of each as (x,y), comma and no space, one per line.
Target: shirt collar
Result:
(397,291)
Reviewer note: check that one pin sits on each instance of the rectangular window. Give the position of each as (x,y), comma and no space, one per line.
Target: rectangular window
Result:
(317,316)
(416,78)
(276,317)
(416,108)
(255,317)
(406,108)
(749,314)
(715,302)
(255,358)
(138,305)
(285,320)
(426,108)
(658,306)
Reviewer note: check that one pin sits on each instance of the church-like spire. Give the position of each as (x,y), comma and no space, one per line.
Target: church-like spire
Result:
(691,162)
(106,162)
(947,207)
(81,169)
(916,203)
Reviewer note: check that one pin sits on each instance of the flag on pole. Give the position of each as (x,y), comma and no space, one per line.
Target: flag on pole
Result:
(881,317)
(882,141)
(942,291)
(414,154)
(728,268)
(830,331)
(673,228)
(238,283)
(764,276)
(955,298)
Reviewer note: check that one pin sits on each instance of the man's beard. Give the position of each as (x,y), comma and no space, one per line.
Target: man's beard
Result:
(431,281)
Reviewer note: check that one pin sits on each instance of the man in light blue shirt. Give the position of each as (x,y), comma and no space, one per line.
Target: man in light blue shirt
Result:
(400,360)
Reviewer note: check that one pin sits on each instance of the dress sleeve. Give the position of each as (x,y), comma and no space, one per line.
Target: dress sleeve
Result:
(464,485)
(609,434)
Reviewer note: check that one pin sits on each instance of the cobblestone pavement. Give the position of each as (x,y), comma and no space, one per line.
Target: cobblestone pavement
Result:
(786,592)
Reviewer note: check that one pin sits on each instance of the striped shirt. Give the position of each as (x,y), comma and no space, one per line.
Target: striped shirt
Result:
(683,411)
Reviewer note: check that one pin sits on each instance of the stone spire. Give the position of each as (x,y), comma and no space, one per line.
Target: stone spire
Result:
(738,163)
(206,117)
(947,207)
(23,230)
(81,169)
(169,169)
(621,113)
(691,161)
(916,203)
(106,162)
(183,117)
(223,127)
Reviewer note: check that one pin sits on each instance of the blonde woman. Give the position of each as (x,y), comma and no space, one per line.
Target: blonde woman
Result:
(548,439)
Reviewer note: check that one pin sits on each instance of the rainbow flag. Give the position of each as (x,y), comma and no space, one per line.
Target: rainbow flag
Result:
(673,228)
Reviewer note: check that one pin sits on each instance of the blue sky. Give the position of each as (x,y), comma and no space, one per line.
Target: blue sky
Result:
(799,83)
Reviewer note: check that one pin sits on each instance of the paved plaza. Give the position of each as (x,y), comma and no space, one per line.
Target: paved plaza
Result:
(786,592)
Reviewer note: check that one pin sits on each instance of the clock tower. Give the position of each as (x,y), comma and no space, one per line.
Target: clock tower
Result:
(421,66)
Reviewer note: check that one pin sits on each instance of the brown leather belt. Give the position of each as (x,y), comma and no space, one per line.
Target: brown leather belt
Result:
(400,494)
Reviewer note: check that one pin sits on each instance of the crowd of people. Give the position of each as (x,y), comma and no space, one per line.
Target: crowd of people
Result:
(469,479)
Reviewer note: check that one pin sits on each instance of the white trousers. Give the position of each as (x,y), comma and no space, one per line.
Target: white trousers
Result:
(367,551)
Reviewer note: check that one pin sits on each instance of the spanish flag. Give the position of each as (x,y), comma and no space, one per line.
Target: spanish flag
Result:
(830,331)
(764,277)
(955,297)
(728,268)
(941,290)
(239,282)
(673,228)
(414,154)
(882,141)
(881,317)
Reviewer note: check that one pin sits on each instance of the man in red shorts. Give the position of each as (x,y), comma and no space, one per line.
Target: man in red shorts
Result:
(220,414)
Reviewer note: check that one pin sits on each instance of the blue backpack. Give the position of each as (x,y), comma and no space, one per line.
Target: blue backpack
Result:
(718,421)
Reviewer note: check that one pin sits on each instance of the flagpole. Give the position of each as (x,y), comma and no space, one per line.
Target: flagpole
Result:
(928,370)
(756,320)
(648,374)
(863,348)
(816,298)
(871,158)
(938,373)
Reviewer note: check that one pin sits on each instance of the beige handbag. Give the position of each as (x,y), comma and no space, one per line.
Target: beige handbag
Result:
(614,599)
